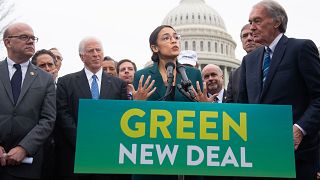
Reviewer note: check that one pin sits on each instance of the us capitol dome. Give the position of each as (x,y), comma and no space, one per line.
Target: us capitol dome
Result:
(203,30)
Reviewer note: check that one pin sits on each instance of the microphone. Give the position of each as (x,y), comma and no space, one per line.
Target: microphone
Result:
(186,83)
(170,67)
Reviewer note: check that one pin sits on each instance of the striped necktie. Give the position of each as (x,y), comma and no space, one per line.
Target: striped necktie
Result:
(94,88)
(266,64)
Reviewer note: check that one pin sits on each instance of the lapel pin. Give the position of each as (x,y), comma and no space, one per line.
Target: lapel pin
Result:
(32,73)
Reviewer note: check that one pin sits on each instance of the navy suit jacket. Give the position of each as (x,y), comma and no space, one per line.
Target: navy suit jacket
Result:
(192,73)
(233,86)
(293,79)
(70,89)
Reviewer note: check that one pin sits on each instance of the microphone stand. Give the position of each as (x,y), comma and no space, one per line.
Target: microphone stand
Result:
(170,79)
(181,89)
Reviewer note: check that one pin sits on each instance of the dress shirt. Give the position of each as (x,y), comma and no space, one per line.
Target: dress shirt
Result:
(89,75)
(12,69)
(220,96)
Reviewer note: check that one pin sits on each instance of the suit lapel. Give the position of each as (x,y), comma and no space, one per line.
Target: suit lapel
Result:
(254,74)
(275,61)
(83,85)
(161,88)
(224,96)
(105,86)
(4,78)
(31,75)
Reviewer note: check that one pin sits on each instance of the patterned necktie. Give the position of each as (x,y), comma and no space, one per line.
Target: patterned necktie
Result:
(94,88)
(266,64)
(16,82)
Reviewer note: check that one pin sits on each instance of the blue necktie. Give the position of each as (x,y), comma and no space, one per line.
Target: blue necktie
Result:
(16,82)
(94,88)
(266,64)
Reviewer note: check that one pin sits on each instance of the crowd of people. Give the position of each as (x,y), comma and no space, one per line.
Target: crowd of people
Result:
(39,111)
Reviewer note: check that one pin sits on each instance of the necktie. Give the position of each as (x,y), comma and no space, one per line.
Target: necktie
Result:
(94,88)
(16,82)
(266,64)
(130,97)
(216,99)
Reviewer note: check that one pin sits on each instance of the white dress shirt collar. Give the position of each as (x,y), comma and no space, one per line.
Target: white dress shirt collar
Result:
(220,96)
(24,68)
(89,75)
(274,43)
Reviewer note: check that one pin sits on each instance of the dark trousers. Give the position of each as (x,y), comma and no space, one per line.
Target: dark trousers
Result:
(5,176)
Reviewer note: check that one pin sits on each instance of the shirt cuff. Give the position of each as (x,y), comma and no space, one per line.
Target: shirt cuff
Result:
(303,131)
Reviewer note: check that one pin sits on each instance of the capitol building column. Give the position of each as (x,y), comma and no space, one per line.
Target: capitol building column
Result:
(225,77)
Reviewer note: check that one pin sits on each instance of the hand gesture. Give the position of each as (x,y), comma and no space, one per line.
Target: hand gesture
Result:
(144,91)
(203,96)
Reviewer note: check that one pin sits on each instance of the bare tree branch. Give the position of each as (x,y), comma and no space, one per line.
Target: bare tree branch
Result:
(5,15)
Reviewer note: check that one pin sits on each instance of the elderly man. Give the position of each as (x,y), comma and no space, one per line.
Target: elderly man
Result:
(27,108)
(58,58)
(89,83)
(285,71)
(212,75)
(248,45)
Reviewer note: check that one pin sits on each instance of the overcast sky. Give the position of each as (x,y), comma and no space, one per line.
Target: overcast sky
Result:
(124,26)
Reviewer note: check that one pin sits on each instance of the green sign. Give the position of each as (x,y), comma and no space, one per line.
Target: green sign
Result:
(144,137)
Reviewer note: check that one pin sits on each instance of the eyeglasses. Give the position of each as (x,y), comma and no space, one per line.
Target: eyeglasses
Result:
(168,37)
(25,38)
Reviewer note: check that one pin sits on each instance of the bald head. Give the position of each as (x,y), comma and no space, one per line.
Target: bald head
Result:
(212,75)
(16,27)
(20,41)
(212,67)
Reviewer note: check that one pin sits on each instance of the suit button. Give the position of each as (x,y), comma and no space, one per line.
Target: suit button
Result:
(14,114)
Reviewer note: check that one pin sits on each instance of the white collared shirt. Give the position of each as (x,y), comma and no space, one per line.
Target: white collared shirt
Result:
(89,75)
(12,69)
(220,96)
(274,43)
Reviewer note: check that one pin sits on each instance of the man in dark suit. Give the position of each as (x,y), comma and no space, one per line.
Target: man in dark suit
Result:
(285,71)
(212,75)
(27,108)
(234,79)
(90,83)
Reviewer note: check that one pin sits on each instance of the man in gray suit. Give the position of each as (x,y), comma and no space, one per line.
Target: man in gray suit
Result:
(27,108)
(89,83)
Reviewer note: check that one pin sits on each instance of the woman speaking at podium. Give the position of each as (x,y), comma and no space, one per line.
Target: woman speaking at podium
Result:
(169,79)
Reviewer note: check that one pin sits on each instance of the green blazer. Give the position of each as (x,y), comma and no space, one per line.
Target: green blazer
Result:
(192,73)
